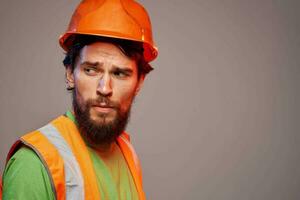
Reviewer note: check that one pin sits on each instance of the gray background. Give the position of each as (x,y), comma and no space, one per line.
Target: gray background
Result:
(218,119)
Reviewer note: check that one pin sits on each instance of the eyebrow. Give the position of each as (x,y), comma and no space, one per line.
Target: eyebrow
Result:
(99,64)
(91,63)
(123,69)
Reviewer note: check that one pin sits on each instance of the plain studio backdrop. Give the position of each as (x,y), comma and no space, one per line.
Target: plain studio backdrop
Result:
(218,118)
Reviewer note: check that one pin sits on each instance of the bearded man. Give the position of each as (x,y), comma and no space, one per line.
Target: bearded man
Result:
(85,153)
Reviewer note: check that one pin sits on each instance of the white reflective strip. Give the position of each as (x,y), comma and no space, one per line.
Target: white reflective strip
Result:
(73,177)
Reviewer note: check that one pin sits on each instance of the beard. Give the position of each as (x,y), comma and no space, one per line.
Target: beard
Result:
(100,132)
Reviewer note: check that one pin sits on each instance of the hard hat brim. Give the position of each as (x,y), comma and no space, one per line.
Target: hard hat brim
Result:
(150,52)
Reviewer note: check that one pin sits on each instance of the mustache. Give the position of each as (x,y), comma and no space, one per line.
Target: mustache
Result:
(104,102)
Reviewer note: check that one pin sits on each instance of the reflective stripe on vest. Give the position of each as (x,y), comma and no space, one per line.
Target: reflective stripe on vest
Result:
(70,133)
(73,176)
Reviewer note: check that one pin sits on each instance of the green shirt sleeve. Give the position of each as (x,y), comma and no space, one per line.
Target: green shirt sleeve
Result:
(25,177)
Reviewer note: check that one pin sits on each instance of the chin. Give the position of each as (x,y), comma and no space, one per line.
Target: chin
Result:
(102,118)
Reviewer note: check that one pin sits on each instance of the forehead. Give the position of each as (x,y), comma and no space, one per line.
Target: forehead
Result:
(102,51)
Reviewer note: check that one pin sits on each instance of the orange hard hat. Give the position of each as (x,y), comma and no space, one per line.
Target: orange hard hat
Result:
(122,19)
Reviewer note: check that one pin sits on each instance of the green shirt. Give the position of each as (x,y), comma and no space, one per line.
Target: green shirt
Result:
(26,178)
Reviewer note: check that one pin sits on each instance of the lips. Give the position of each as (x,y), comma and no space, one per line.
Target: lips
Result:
(102,107)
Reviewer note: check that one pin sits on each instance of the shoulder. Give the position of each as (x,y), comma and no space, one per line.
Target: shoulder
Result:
(24,157)
(26,176)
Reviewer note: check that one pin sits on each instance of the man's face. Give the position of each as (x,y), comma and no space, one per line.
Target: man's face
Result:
(105,83)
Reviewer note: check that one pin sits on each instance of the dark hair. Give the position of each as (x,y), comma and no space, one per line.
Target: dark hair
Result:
(131,49)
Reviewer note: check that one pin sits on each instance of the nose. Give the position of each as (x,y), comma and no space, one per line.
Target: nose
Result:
(104,87)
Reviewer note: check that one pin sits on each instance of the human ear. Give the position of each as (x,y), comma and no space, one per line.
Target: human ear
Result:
(69,78)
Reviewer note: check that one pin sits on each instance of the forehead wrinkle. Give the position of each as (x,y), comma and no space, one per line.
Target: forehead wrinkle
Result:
(112,56)
(105,53)
(91,50)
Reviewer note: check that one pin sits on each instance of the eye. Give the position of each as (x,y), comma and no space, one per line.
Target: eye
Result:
(120,74)
(90,71)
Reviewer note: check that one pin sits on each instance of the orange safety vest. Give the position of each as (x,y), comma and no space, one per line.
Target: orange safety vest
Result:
(65,156)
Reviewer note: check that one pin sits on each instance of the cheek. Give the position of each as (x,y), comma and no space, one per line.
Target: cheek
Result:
(126,93)
(85,89)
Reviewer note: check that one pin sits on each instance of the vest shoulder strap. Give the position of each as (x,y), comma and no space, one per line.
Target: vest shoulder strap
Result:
(69,131)
(133,162)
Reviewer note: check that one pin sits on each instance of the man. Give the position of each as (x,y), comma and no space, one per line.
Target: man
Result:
(85,154)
